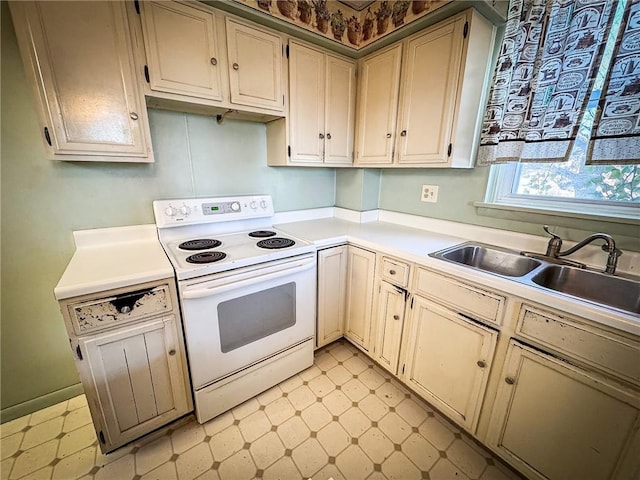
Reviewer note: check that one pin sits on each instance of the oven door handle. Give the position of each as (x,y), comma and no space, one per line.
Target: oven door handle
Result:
(215,290)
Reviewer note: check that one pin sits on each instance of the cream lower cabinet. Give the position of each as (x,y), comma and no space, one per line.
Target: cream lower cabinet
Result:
(79,57)
(389,323)
(130,356)
(360,287)
(332,279)
(321,107)
(555,421)
(448,360)
(136,373)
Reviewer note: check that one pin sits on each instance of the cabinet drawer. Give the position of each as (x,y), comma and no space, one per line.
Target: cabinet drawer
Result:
(395,272)
(598,348)
(105,312)
(476,302)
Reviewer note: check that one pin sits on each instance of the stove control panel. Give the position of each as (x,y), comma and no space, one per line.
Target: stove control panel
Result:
(190,211)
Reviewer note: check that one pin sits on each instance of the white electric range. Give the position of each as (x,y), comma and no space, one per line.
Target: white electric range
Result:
(247,293)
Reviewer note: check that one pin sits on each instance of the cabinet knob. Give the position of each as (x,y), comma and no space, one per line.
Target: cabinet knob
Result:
(403,133)
(392,272)
(396,317)
(236,66)
(321,135)
(214,61)
(510,380)
(388,135)
(328,136)
(172,351)
(481,363)
(133,115)
(125,309)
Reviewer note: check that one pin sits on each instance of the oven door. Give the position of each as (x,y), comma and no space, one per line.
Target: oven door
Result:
(235,319)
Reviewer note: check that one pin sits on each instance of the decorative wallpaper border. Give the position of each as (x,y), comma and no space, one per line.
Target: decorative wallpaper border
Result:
(339,22)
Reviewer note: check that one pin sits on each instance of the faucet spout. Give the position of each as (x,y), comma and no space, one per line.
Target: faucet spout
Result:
(609,246)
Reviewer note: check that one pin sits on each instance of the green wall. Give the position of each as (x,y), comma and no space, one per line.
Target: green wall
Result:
(43,201)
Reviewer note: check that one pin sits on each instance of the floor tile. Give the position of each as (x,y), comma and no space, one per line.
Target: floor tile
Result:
(343,418)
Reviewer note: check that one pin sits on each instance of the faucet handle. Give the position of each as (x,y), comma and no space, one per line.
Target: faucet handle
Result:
(546,229)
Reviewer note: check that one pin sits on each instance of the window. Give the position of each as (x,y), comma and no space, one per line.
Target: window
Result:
(570,184)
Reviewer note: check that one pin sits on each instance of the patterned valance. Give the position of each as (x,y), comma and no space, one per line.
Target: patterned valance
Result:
(549,78)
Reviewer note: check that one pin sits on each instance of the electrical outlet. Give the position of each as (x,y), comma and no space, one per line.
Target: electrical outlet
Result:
(429,193)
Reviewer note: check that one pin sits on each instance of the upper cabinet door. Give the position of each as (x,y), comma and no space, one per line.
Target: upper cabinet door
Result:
(80,57)
(306,100)
(182,49)
(255,66)
(377,107)
(431,71)
(340,103)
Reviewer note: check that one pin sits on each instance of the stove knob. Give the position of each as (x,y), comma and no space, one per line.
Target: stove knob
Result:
(235,206)
(170,212)
(185,210)
(263,204)
(254,205)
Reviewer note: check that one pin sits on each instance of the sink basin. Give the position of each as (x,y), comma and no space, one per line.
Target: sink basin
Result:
(490,259)
(614,291)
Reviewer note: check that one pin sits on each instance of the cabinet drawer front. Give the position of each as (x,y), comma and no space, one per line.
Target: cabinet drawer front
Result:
(603,350)
(478,303)
(395,272)
(119,309)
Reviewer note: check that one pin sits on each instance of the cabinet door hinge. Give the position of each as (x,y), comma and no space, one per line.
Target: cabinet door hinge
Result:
(101,436)
(465,31)
(136,4)
(146,74)
(289,150)
(79,352)
(47,136)
(449,149)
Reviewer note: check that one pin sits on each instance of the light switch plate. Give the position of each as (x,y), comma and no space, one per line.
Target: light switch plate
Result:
(429,193)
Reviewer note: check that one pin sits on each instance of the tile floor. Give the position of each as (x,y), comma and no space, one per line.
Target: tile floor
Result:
(343,418)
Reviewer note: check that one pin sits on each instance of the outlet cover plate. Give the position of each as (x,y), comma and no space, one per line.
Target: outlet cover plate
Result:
(429,193)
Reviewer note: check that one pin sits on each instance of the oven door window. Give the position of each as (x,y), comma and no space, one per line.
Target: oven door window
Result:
(247,319)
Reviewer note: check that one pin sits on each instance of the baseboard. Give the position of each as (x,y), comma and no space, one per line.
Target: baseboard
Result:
(30,406)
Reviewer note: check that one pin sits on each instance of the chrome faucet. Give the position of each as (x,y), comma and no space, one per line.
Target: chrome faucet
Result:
(555,245)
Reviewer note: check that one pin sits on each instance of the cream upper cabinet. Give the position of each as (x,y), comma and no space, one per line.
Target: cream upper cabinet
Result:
(360,286)
(321,107)
(555,421)
(183,49)
(332,282)
(79,57)
(439,105)
(448,360)
(255,66)
(378,88)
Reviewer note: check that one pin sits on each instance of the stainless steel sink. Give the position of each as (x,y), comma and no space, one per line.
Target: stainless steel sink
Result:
(608,290)
(614,291)
(490,259)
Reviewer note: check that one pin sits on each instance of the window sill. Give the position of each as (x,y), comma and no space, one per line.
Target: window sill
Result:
(486,209)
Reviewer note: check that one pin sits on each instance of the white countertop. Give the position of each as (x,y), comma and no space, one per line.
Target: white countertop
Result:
(108,258)
(414,245)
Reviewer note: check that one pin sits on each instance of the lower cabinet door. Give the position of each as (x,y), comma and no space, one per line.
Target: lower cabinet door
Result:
(556,421)
(136,380)
(360,277)
(390,319)
(332,277)
(448,360)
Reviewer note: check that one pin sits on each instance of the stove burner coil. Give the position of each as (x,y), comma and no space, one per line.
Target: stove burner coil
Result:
(275,242)
(206,257)
(200,244)
(262,234)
